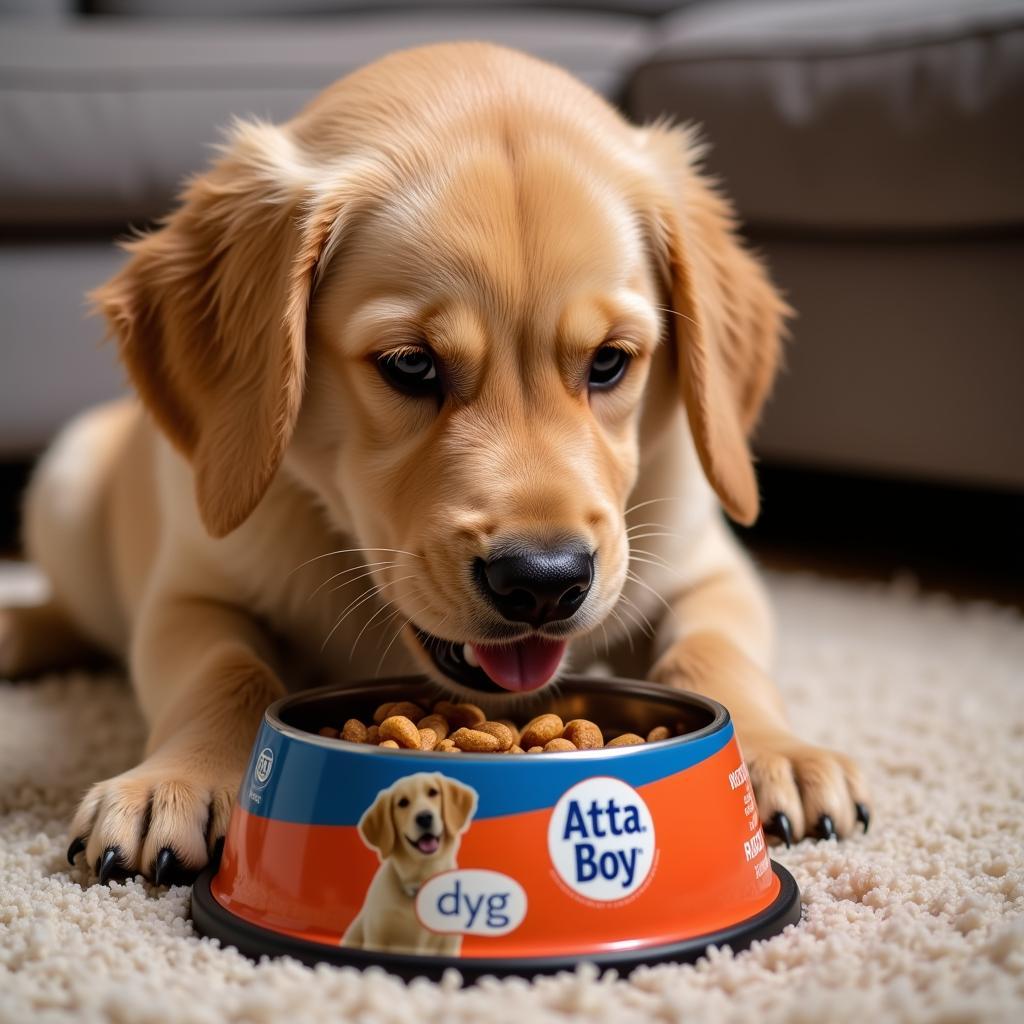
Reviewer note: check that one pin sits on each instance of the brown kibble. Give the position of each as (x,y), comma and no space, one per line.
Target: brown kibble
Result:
(354,731)
(452,728)
(512,728)
(436,722)
(583,734)
(408,709)
(401,730)
(539,730)
(627,739)
(382,712)
(474,741)
(559,745)
(502,733)
(460,715)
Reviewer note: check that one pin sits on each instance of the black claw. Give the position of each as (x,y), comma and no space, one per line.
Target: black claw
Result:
(166,867)
(780,826)
(168,870)
(863,815)
(826,830)
(76,847)
(109,863)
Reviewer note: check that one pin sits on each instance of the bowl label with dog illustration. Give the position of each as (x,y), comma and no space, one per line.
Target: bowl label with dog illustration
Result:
(415,827)
(601,839)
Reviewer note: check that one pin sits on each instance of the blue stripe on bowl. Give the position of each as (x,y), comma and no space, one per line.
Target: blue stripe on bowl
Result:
(329,783)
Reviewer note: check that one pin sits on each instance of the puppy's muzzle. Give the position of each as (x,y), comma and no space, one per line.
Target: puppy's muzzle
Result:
(533,587)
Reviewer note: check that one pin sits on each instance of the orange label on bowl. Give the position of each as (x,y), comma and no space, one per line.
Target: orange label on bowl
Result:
(435,865)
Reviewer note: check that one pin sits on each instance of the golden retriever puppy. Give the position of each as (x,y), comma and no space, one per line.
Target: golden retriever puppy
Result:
(414,826)
(452,373)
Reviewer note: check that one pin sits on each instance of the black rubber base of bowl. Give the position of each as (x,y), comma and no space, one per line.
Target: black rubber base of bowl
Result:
(212,919)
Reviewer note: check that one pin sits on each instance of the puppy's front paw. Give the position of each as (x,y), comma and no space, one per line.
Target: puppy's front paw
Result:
(162,819)
(803,790)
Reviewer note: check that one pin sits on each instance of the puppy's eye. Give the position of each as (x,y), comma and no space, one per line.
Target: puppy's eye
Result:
(404,802)
(431,791)
(413,372)
(608,367)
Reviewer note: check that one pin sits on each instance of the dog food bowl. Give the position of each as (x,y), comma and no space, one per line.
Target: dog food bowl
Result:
(495,863)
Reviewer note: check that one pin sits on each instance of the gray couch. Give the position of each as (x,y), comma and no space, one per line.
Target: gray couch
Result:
(875,149)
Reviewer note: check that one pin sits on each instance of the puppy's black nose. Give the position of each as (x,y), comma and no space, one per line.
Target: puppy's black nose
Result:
(537,586)
(425,820)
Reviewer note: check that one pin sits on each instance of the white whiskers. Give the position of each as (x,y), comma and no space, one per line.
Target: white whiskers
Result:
(650,501)
(625,628)
(632,576)
(645,623)
(675,312)
(354,551)
(657,563)
(398,633)
(640,526)
(367,595)
(345,572)
(366,625)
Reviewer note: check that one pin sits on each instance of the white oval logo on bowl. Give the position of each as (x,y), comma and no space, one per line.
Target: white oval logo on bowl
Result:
(264,766)
(471,901)
(601,839)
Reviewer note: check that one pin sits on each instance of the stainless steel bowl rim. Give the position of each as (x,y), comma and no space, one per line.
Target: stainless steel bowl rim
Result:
(632,687)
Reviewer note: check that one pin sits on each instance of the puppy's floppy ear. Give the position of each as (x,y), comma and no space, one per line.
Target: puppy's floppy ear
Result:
(377,827)
(458,802)
(728,320)
(210,314)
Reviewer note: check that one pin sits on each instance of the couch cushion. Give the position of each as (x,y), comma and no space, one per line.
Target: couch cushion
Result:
(52,364)
(103,118)
(38,8)
(251,8)
(852,114)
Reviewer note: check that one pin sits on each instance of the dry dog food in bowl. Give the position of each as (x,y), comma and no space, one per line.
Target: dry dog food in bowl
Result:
(454,728)
(377,825)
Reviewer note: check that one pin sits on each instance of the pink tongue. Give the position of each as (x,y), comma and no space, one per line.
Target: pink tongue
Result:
(427,844)
(525,665)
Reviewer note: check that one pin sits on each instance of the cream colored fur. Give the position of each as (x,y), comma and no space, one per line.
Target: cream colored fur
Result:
(226,535)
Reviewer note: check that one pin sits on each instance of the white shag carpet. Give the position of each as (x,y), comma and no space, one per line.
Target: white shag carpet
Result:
(920,920)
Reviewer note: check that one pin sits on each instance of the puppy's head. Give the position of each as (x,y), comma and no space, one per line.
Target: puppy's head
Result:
(464,347)
(418,821)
